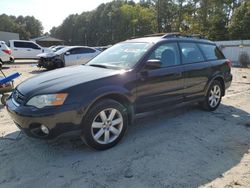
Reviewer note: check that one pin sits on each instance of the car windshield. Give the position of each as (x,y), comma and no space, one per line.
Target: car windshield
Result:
(121,56)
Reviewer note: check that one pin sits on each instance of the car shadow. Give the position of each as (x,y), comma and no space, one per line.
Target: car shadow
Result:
(38,71)
(182,147)
(4,67)
(1,105)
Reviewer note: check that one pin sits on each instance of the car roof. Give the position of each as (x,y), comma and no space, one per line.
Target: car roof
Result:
(71,47)
(170,37)
(23,41)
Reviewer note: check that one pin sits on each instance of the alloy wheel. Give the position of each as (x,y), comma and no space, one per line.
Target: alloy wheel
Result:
(214,96)
(107,126)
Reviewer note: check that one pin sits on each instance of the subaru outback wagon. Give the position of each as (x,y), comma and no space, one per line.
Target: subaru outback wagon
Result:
(102,97)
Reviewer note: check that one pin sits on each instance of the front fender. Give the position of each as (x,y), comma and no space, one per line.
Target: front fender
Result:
(92,97)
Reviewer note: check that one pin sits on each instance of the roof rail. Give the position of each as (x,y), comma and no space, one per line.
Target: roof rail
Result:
(177,34)
(194,36)
(155,35)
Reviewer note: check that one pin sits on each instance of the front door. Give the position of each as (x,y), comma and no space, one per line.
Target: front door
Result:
(162,86)
(72,57)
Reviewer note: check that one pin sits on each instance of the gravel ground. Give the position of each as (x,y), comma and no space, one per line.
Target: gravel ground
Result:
(184,147)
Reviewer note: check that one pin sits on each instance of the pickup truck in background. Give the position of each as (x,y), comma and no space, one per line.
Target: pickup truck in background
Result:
(23,49)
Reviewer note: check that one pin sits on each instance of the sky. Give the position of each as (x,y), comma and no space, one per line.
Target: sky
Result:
(49,12)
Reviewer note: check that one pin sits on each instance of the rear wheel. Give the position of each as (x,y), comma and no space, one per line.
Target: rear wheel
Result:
(213,97)
(105,125)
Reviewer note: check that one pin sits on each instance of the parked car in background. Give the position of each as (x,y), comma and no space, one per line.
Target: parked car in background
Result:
(56,48)
(102,97)
(67,56)
(5,53)
(23,49)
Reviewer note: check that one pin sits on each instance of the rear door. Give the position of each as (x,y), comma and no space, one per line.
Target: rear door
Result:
(197,70)
(163,86)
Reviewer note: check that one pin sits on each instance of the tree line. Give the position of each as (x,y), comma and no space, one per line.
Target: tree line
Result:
(122,19)
(27,27)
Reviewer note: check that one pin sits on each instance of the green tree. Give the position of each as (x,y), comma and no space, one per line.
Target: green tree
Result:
(28,27)
(240,24)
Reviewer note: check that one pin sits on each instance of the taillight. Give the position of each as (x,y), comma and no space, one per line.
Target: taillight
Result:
(229,63)
(7,52)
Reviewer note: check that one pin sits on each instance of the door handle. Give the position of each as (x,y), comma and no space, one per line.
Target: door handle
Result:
(15,49)
(28,50)
(178,74)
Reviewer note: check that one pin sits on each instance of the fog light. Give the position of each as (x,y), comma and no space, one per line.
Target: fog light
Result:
(44,129)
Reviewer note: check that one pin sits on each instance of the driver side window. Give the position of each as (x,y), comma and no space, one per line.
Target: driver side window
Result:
(167,53)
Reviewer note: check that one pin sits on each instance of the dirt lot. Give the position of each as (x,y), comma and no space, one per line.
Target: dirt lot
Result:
(185,147)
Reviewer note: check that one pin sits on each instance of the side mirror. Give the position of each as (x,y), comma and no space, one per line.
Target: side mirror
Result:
(67,53)
(153,64)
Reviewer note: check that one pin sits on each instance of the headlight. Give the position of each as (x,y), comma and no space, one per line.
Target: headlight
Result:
(41,101)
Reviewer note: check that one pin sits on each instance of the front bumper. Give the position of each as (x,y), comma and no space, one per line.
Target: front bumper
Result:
(45,63)
(9,59)
(58,121)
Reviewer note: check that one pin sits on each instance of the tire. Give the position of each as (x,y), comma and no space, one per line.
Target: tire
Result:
(104,125)
(4,98)
(59,64)
(213,96)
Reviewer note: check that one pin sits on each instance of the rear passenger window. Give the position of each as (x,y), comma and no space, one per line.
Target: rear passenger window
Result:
(211,52)
(190,53)
(87,50)
(19,44)
(26,45)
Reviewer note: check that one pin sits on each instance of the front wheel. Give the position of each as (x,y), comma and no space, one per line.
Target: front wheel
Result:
(105,125)
(4,99)
(213,97)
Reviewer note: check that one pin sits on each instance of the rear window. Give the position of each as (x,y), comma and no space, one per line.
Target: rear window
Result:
(211,52)
(190,53)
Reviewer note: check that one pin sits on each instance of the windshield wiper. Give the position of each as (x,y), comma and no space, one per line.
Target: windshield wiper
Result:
(98,65)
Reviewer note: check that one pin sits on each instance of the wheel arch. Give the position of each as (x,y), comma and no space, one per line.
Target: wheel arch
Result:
(218,78)
(124,100)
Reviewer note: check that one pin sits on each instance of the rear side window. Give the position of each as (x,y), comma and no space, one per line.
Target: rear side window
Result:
(19,44)
(211,52)
(86,50)
(81,51)
(190,53)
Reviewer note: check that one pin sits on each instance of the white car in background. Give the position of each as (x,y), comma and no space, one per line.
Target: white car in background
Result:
(67,56)
(5,53)
(23,49)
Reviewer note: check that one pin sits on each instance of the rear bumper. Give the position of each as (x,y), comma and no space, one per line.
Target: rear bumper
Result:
(9,59)
(30,120)
(228,81)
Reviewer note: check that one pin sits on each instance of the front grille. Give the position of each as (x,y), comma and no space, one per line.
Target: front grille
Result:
(17,96)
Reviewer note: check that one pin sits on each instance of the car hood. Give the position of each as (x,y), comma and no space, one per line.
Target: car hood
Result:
(62,79)
(46,55)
